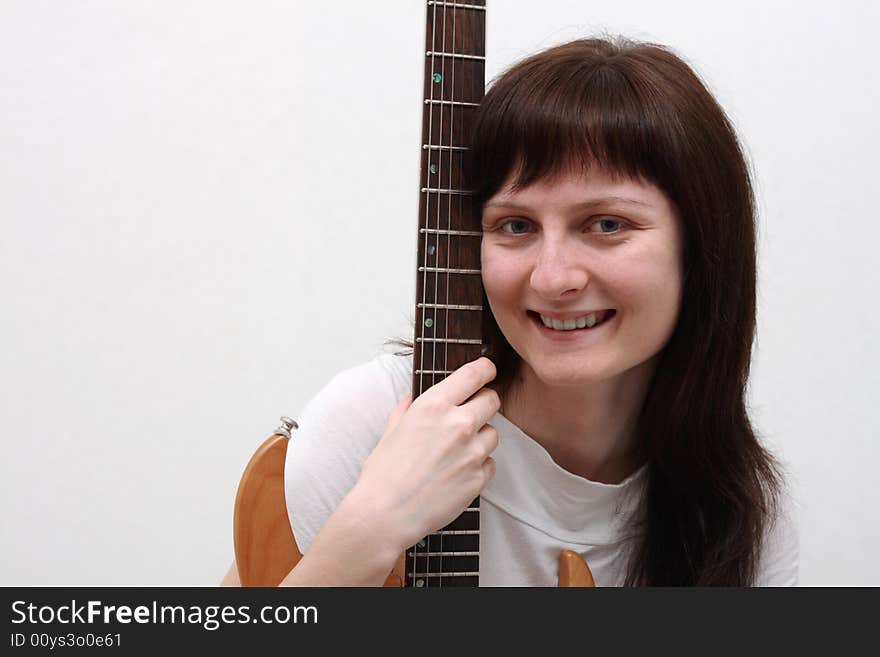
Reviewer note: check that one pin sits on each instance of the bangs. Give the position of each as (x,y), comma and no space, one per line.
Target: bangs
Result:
(564,113)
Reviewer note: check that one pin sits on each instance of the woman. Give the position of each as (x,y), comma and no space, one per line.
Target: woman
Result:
(618,260)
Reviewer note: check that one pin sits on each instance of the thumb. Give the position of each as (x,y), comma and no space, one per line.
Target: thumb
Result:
(397,413)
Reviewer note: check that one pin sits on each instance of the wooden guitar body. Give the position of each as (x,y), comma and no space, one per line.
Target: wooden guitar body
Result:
(265,547)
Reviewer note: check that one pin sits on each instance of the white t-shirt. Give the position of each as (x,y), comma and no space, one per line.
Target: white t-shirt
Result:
(530,511)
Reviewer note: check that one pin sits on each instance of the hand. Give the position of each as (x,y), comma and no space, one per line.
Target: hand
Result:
(433,458)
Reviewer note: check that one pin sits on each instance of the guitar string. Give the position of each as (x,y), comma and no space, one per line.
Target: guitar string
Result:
(449,202)
(478,86)
(458,184)
(421,329)
(473,66)
(439,178)
(474,212)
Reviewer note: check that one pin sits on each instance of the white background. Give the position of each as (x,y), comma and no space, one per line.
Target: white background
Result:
(209,208)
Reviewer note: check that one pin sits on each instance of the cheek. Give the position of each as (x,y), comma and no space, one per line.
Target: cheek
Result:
(499,275)
(650,282)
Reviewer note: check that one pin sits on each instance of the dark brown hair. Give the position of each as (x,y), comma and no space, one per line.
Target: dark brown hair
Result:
(637,110)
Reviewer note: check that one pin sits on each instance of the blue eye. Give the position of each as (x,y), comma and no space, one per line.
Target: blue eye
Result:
(521,226)
(604,223)
(515,222)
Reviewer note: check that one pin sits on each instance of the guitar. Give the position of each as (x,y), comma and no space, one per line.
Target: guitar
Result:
(448,322)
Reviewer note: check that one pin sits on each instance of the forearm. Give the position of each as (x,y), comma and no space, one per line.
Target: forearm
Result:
(352,549)
(231,578)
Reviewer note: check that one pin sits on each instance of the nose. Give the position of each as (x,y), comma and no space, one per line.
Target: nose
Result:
(558,271)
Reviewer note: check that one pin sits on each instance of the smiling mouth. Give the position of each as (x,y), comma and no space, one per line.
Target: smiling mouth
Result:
(537,320)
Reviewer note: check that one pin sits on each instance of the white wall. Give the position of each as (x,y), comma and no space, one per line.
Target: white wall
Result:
(195,237)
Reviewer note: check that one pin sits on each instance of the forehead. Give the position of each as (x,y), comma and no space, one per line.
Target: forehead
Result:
(592,184)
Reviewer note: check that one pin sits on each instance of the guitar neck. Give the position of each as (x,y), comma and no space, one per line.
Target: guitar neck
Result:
(449,291)
(448,314)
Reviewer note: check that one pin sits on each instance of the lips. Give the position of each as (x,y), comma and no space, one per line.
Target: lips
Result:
(603,317)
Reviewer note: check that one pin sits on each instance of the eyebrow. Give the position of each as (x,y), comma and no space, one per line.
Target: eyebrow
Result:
(584,205)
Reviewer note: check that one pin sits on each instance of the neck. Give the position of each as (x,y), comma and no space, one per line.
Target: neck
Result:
(588,429)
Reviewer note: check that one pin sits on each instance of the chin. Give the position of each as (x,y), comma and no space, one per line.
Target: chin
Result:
(569,374)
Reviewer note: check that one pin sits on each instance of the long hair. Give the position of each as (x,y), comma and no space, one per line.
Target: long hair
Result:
(638,111)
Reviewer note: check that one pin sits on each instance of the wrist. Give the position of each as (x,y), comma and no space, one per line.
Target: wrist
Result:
(375,519)
(350,550)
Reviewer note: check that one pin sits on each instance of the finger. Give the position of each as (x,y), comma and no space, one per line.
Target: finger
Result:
(464,382)
(487,437)
(488,471)
(483,405)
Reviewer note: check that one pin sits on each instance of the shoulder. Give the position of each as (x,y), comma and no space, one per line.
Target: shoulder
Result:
(362,391)
(338,428)
(348,410)
(779,564)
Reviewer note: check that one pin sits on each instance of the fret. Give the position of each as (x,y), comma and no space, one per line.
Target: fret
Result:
(457,103)
(457,55)
(446,231)
(470,542)
(442,554)
(448,306)
(448,122)
(456,532)
(456,5)
(453,341)
(444,574)
(464,521)
(450,581)
(446,270)
(443,148)
(434,371)
(436,190)
(438,287)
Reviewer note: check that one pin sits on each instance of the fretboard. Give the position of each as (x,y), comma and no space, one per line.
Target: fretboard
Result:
(449,292)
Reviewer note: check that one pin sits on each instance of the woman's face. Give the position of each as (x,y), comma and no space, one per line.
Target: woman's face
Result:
(578,244)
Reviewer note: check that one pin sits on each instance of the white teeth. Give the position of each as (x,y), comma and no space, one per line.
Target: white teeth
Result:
(588,321)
